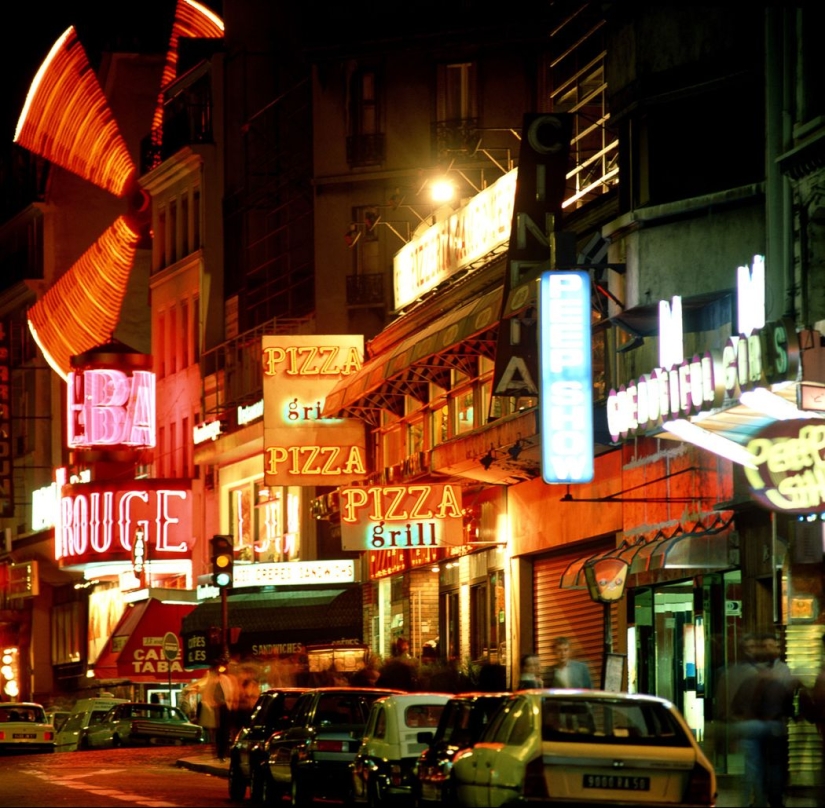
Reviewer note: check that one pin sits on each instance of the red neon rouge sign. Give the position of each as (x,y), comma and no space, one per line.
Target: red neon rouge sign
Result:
(99,521)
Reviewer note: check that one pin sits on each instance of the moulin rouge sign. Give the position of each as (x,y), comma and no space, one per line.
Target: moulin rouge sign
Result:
(99,522)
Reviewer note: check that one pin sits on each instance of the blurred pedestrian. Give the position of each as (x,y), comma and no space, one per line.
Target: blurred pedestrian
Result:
(400,671)
(765,703)
(226,698)
(567,672)
(530,672)
(368,674)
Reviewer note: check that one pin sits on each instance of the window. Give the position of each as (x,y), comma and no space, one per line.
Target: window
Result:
(173,231)
(184,334)
(365,141)
(266,521)
(172,344)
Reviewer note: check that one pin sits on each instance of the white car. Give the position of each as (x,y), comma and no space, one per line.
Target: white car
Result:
(584,747)
(25,728)
(398,730)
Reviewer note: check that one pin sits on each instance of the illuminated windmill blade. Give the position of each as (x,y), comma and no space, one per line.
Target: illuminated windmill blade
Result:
(67,119)
(191,20)
(82,309)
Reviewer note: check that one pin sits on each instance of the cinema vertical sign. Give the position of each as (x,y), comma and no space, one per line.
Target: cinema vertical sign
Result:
(300,446)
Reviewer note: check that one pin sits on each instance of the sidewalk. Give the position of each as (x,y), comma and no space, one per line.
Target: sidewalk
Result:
(207,763)
(728,785)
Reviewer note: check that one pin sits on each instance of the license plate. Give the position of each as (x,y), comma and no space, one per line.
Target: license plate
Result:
(616,782)
(24,735)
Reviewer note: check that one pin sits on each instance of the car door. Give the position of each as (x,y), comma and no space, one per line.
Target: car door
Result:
(516,741)
(281,744)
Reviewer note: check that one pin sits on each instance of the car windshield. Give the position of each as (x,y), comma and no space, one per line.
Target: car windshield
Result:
(610,721)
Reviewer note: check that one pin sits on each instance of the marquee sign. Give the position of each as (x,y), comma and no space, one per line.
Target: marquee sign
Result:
(790,466)
(300,446)
(99,522)
(400,516)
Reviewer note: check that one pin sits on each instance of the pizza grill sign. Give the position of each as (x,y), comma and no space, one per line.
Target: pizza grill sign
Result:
(788,472)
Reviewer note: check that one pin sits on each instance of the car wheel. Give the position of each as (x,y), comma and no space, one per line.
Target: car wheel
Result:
(301,797)
(116,742)
(237,782)
(257,782)
(374,794)
(83,743)
(269,792)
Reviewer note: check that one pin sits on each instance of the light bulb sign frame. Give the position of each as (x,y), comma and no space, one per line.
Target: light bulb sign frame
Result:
(405,517)
(300,446)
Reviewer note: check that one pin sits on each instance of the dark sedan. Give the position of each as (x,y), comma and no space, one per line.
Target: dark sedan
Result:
(462,722)
(271,712)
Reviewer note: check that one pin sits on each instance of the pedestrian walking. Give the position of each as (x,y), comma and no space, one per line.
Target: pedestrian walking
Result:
(530,672)
(568,672)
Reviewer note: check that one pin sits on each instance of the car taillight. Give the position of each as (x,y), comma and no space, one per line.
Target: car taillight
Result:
(49,736)
(698,790)
(396,776)
(331,746)
(535,786)
(2,735)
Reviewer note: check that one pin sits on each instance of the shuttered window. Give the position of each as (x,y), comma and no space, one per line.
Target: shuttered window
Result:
(569,613)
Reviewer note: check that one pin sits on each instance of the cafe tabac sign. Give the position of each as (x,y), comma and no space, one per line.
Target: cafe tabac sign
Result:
(788,472)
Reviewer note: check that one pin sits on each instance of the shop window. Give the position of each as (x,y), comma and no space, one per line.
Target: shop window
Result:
(479,610)
(449,629)
(276,523)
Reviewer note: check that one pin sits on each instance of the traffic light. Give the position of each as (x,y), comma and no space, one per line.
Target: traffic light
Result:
(223,559)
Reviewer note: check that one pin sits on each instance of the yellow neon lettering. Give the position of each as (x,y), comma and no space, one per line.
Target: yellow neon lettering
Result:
(423,494)
(449,503)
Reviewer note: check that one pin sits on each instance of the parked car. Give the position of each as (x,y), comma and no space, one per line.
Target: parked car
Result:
(85,713)
(24,728)
(397,731)
(271,712)
(138,723)
(310,758)
(584,747)
(57,718)
(462,721)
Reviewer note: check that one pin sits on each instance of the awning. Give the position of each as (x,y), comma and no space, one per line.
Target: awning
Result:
(135,651)
(703,548)
(282,618)
(454,341)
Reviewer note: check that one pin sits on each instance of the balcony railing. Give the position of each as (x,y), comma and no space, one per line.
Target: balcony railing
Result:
(366,289)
